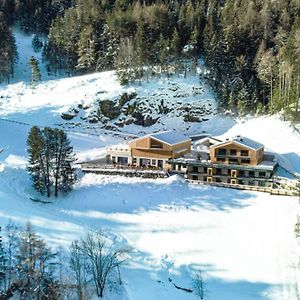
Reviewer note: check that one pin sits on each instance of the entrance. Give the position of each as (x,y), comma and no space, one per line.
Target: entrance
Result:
(144,162)
(160,163)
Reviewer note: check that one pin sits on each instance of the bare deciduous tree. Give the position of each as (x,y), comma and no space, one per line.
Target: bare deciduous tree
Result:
(78,266)
(99,256)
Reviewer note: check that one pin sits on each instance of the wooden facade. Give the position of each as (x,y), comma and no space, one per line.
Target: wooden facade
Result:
(237,161)
(234,153)
(153,150)
(156,153)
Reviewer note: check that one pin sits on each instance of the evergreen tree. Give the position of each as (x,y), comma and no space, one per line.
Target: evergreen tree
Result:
(176,46)
(107,50)
(36,168)
(86,50)
(36,43)
(8,50)
(3,266)
(50,161)
(35,267)
(35,70)
(140,49)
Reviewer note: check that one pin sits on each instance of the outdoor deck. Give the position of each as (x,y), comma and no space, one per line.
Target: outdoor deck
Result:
(128,171)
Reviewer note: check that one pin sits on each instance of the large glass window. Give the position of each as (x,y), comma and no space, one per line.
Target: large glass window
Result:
(244,153)
(221,151)
(233,160)
(245,161)
(232,151)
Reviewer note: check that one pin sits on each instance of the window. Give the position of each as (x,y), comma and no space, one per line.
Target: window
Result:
(245,161)
(160,163)
(122,160)
(233,160)
(222,159)
(244,153)
(179,167)
(195,177)
(232,151)
(242,173)
(155,144)
(221,151)
(251,173)
(262,174)
(153,162)
(195,169)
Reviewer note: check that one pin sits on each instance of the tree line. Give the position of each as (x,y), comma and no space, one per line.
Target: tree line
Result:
(91,266)
(250,47)
(30,269)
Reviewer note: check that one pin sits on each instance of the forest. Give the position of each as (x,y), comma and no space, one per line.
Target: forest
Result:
(251,48)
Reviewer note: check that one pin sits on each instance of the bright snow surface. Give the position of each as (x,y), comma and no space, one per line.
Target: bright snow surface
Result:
(242,241)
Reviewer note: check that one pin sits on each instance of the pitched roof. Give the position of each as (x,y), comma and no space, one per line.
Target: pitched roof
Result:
(248,142)
(170,137)
(243,141)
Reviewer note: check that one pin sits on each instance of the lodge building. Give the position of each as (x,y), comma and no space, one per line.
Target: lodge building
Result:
(239,160)
(235,161)
(153,150)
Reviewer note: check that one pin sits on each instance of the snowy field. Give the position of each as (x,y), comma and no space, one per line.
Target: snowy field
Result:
(242,241)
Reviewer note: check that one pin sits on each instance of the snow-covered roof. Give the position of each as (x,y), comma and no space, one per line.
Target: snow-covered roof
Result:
(170,137)
(243,141)
(248,142)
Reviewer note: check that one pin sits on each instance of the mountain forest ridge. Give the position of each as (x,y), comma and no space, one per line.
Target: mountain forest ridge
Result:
(252,48)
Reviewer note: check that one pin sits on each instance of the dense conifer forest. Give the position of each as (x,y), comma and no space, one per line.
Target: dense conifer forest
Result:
(251,48)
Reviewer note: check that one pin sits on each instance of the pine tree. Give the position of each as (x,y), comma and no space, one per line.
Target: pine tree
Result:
(36,168)
(3,265)
(107,51)
(86,50)
(35,70)
(64,176)
(50,161)
(35,267)
(141,49)
(12,235)
(176,46)
(8,50)
(36,43)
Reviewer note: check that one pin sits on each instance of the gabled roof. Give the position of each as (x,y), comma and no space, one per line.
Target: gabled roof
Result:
(243,141)
(170,137)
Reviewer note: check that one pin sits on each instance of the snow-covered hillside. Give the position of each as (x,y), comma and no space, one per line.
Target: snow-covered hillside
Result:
(242,241)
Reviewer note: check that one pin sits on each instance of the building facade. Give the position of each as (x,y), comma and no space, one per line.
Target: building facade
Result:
(152,150)
(236,161)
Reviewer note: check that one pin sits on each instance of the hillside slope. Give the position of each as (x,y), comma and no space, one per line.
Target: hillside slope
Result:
(242,241)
